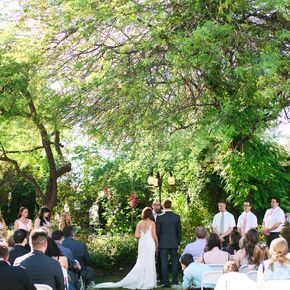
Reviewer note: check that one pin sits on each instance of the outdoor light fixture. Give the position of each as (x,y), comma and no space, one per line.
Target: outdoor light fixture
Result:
(171,179)
(158,180)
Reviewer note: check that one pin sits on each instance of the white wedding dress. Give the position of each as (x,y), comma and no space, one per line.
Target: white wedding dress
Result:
(143,274)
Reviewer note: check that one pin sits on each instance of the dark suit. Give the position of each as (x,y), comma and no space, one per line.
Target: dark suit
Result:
(17,251)
(14,278)
(168,228)
(42,269)
(78,249)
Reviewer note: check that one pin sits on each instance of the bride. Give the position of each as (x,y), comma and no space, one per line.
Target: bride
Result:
(143,274)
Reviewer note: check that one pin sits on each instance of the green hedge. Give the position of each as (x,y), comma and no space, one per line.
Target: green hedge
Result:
(112,252)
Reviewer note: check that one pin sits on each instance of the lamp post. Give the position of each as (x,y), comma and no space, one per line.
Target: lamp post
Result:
(157,181)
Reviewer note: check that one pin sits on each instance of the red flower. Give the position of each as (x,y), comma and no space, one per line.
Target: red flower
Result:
(133,200)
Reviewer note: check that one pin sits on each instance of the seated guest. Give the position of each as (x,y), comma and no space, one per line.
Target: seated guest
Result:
(233,280)
(12,278)
(192,273)
(197,248)
(19,249)
(214,254)
(251,254)
(234,240)
(74,266)
(285,233)
(79,251)
(54,252)
(58,237)
(40,268)
(278,266)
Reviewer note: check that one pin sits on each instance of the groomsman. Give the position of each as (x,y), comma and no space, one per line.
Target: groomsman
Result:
(247,220)
(273,221)
(223,223)
(168,228)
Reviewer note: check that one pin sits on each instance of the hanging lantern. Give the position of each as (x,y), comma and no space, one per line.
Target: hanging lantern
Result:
(77,205)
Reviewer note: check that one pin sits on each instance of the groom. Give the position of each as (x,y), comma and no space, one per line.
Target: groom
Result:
(168,228)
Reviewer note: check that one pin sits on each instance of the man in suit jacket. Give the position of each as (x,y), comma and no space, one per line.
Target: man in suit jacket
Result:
(169,236)
(12,277)
(40,268)
(19,249)
(80,252)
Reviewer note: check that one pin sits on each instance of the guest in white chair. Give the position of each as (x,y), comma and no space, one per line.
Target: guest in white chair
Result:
(278,266)
(233,280)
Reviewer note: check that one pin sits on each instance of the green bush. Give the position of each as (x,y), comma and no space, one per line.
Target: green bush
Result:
(112,252)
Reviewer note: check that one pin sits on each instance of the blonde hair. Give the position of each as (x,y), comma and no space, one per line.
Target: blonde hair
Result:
(278,252)
(63,222)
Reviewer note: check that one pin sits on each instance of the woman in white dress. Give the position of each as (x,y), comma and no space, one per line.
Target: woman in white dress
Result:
(23,222)
(143,274)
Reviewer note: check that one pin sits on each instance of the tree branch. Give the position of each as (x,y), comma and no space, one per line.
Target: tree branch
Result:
(25,175)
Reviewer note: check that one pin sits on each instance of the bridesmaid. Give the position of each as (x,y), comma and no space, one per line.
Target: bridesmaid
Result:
(3,228)
(23,222)
(43,219)
(65,220)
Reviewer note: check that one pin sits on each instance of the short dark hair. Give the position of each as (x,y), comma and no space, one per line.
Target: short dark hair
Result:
(248,201)
(167,203)
(186,259)
(38,237)
(57,235)
(213,241)
(4,252)
(200,232)
(276,198)
(147,213)
(222,201)
(68,231)
(285,233)
(19,236)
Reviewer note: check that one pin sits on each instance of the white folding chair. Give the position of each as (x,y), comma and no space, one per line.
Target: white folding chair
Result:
(244,269)
(252,275)
(216,267)
(210,278)
(276,284)
(42,287)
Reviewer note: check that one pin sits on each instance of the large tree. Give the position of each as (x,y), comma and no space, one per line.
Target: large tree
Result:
(30,121)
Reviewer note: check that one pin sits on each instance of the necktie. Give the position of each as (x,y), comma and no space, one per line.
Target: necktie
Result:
(244,224)
(222,224)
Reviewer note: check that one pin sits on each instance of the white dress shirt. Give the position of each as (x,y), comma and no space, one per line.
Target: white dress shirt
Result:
(273,216)
(229,221)
(250,219)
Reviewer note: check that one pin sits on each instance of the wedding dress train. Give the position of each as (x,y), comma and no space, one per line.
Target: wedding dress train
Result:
(143,274)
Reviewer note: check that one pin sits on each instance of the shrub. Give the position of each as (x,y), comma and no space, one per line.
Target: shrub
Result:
(112,252)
